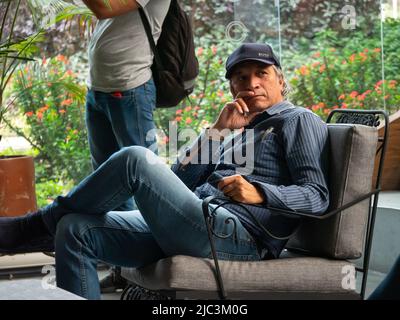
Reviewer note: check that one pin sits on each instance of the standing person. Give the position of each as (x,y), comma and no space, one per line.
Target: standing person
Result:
(121,93)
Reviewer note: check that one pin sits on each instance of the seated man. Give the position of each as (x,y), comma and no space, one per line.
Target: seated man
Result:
(288,165)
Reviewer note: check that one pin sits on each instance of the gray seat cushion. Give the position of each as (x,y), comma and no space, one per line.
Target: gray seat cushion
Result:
(285,275)
(352,157)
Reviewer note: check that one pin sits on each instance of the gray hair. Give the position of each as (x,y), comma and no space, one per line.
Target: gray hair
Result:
(286,86)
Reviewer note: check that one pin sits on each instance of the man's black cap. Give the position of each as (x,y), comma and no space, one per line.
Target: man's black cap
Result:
(251,52)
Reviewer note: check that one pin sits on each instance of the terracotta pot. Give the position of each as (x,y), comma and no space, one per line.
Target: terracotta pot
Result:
(17,185)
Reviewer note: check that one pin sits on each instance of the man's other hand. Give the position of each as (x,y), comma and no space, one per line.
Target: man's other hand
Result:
(239,189)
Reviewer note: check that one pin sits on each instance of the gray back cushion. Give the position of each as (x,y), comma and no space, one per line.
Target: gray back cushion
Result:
(352,156)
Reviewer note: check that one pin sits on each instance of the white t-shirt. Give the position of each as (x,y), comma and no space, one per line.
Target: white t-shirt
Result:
(120,56)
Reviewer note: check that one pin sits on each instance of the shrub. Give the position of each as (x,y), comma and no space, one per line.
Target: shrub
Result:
(51,102)
(346,73)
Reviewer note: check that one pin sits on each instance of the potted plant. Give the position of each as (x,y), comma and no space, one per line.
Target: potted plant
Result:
(17,177)
(17,174)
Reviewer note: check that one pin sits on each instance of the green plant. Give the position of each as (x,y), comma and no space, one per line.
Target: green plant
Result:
(15,49)
(346,73)
(51,102)
(48,190)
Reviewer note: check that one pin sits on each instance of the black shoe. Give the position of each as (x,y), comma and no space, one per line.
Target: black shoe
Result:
(27,231)
(112,282)
(42,244)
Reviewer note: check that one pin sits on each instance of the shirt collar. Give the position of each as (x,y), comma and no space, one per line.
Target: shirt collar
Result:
(275,109)
(279,107)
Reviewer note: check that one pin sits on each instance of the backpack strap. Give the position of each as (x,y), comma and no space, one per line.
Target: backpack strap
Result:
(149,34)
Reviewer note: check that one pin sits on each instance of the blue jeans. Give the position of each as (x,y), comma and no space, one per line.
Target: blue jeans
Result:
(120,120)
(169,222)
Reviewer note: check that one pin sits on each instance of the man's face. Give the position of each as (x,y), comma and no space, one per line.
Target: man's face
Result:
(257,84)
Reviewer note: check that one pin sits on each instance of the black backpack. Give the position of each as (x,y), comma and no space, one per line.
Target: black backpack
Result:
(175,66)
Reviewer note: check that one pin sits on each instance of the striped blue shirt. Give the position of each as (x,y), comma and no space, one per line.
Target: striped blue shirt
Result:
(289,165)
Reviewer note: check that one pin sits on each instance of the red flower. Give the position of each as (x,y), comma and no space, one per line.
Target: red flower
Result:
(189,121)
(66,102)
(353,94)
(29,113)
(179,111)
(304,70)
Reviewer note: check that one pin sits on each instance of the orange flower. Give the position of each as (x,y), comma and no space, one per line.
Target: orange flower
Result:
(317,54)
(322,68)
(315,64)
(220,93)
(62,111)
(189,121)
(200,51)
(69,73)
(392,84)
(66,102)
(344,105)
(39,115)
(29,113)
(342,96)
(377,50)
(178,119)
(304,70)
(187,109)
(315,107)
(386,97)
(363,56)
(352,57)
(353,94)
(62,58)
(179,111)
(196,108)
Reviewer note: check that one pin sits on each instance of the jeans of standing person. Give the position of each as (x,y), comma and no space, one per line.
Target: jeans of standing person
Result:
(169,222)
(120,119)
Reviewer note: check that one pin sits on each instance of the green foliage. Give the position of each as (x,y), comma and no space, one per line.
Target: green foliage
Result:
(346,72)
(51,102)
(47,191)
